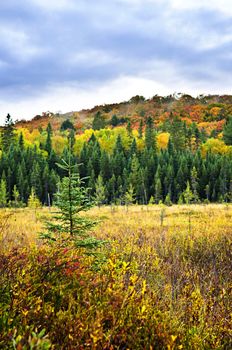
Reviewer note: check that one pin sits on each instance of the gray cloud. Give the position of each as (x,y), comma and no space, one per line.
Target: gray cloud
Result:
(85,44)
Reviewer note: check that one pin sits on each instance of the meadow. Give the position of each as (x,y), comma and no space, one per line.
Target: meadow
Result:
(162,280)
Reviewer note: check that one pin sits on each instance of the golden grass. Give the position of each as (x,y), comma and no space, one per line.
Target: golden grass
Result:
(162,282)
(22,226)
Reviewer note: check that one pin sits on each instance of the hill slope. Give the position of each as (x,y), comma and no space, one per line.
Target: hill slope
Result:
(208,111)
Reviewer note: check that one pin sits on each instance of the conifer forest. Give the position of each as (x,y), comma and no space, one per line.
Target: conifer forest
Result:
(155,158)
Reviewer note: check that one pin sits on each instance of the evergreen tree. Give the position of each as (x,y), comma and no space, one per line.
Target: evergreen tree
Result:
(129,196)
(167,200)
(45,182)
(16,201)
(140,129)
(98,121)
(71,200)
(7,133)
(36,179)
(114,120)
(111,186)
(21,141)
(129,129)
(71,139)
(194,184)
(3,193)
(150,139)
(133,148)
(105,168)
(187,194)
(67,125)
(22,181)
(100,196)
(134,173)
(158,188)
(33,201)
(227,132)
(48,143)
(177,134)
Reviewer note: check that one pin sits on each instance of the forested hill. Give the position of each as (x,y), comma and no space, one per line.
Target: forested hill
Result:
(210,111)
(174,149)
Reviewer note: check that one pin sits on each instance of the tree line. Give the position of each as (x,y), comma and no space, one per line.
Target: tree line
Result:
(177,174)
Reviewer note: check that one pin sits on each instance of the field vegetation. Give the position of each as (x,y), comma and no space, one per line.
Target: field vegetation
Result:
(162,280)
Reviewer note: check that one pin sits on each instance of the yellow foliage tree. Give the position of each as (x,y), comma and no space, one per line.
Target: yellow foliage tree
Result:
(162,140)
(215,146)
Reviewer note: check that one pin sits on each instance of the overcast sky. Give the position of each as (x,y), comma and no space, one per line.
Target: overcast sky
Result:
(64,55)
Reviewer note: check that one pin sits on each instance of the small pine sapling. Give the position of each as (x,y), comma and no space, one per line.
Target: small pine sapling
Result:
(72,200)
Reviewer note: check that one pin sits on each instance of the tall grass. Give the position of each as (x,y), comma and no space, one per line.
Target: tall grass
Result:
(157,284)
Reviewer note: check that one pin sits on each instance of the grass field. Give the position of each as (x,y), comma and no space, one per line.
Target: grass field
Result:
(163,281)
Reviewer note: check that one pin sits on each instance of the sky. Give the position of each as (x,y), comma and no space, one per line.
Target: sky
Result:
(65,55)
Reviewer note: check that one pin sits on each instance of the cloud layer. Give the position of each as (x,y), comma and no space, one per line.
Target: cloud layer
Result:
(66,55)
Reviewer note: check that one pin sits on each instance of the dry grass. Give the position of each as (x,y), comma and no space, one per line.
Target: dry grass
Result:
(162,282)
(21,226)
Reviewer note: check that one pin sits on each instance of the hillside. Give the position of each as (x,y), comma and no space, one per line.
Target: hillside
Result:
(170,149)
(207,111)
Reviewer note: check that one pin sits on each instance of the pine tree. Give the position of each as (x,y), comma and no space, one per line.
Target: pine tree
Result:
(3,194)
(105,168)
(16,202)
(129,196)
(71,199)
(67,125)
(194,184)
(134,173)
(100,195)
(21,141)
(158,188)
(140,129)
(111,187)
(150,139)
(187,194)
(133,148)
(114,120)
(33,201)
(167,200)
(71,139)
(7,133)
(98,121)
(129,129)
(227,132)
(48,144)
(36,179)
(177,134)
